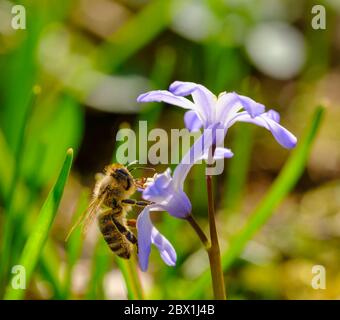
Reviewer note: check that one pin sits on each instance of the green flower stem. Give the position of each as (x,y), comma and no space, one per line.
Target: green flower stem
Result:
(200,233)
(283,184)
(214,251)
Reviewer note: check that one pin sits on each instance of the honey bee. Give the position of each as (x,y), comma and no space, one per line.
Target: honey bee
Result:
(110,204)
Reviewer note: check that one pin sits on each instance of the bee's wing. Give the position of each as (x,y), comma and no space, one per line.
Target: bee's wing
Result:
(91,214)
(87,217)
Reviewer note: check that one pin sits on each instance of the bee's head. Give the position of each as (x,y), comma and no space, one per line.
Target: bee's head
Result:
(123,178)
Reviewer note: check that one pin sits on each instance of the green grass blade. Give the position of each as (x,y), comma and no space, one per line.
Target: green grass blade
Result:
(238,166)
(136,33)
(127,268)
(100,264)
(38,236)
(160,76)
(74,245)
(10,222)
(6,168)
(23,204)
(284,183)
(49,268)
(134,269)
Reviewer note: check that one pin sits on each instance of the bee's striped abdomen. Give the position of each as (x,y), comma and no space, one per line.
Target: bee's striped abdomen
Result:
(113,237)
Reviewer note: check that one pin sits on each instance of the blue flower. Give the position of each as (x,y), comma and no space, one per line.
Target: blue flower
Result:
(207,110)
(166,194)
(147,235)
(214,115)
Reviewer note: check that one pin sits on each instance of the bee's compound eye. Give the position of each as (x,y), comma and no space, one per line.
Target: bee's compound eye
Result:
(122,173)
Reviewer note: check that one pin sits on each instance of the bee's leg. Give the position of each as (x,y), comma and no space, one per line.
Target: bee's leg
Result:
(123,230)
(131,223)
(140,183)
(132,202)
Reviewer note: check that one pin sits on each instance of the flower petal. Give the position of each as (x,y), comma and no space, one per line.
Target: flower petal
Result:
(220,153)
(167,97)
(228,104)
(158,189)
(163,192)
(182,88)
(144,228)
(281,134)
(252,107)
(203,98)
(192,122)
(178,205)
(226,107)
(165,248)
(148,234)
(284,137)
(272,114)
(200,147)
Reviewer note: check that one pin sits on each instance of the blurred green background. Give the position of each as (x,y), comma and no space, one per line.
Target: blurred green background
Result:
(71,79)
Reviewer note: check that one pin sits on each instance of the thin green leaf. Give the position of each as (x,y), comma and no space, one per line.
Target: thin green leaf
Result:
(129,269)
(238,165)
(100,265)
(134,270)
(126,267)
(10,223)
(284,183)
(74,244)
(39,234)
(161,74)
(49,268)
(136,33)
(22,204)
(6,168)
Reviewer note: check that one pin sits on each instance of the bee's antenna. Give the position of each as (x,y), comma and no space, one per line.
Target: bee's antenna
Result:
(143,168)
(132,163)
